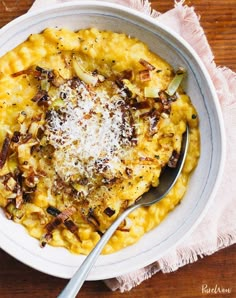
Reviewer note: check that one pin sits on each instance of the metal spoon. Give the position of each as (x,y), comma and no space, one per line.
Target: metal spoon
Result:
(154,195)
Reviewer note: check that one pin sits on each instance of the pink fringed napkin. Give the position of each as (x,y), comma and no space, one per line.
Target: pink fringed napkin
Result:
(220,220)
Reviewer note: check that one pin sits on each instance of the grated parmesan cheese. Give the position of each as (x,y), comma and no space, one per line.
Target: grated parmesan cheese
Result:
(90,133)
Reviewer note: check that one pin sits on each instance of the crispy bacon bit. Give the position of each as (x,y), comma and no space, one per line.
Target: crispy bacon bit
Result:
(127,74)
(41,98)
(109,212)
(40,133)
(26,72)
(166,100)
(5,151)
(45,73)
(163,96)
(71,226)
(16,137)
(19,200)
(60,218)
(91,218)
(31,180)
(146,64)
(65,214)
(119,83)
(25,138)
(52,225)
(127,116)
(45,239)
(154,117)
(144,75)
(75,83)
(172,163)
(140,105)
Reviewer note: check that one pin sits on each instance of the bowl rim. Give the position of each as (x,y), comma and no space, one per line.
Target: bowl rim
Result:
(5,244)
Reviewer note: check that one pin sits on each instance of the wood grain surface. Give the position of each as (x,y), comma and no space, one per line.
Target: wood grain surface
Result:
(218,271)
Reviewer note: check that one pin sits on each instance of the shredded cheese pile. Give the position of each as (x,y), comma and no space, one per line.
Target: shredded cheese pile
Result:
(90,132)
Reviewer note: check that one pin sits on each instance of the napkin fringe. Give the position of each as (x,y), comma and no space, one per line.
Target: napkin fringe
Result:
(128,281)
(140,5)
(224,80)
(226,239)
(192,254)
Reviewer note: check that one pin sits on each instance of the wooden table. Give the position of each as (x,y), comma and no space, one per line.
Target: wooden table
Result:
(218,18)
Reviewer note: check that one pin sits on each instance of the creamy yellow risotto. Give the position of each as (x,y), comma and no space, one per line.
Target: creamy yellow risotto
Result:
(88,120)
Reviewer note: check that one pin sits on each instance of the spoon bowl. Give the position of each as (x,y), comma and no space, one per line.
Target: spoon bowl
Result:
(166,181)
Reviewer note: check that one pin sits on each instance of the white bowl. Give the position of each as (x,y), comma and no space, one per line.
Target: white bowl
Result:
(59,262)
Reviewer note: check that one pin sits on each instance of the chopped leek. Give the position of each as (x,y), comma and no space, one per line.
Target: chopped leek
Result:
(58,103)
(151,92)
(175,83)
(83,75)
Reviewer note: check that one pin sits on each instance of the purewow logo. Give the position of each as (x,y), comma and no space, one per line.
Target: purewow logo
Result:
(216,289)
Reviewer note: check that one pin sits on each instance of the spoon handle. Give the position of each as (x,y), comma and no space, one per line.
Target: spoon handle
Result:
(76,282)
